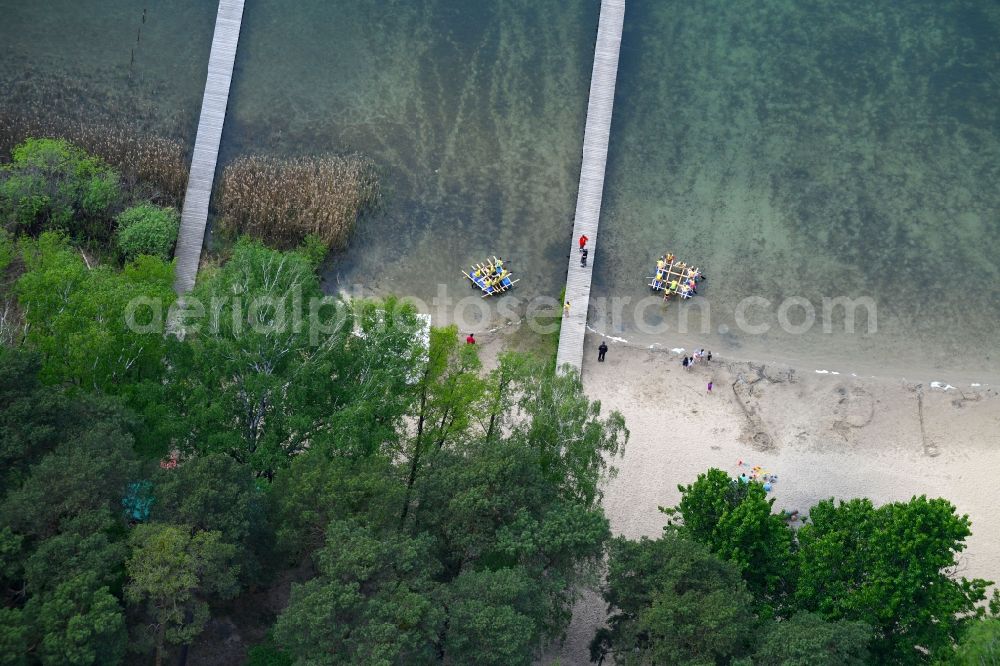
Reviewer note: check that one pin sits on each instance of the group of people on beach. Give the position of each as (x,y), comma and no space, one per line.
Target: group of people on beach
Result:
(697,356)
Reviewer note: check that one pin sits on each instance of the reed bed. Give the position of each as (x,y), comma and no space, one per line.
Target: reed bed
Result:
(281,201)
(145,161)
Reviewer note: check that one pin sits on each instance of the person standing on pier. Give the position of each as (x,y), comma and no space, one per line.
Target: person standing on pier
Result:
(583,241)
(583,259)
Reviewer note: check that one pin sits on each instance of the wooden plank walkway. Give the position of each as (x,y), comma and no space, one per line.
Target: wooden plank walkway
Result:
(194,215)
(588,200)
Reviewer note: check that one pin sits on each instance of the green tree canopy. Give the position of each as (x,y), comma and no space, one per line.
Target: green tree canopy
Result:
(78,622)
(209,493)
(673,602)
(171,572)
(35,418)
(564,429)
(81,475)
(88,544)
(979,645)
(216,493)
(505,521)
(735,520)
(318,488)
(889,567)
(51,184)
(61,528)
(501,610)
(7,250)
(13,637)
(96,328)
(806,639)
(374,601)
(257,382)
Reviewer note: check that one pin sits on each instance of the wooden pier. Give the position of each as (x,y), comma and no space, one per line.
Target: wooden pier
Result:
(194,215)
(588,200)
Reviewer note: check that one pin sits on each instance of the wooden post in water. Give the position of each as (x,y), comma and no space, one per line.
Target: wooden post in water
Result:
(194,215)
(588,200)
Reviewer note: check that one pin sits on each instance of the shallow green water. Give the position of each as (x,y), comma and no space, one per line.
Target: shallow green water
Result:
(811,149)
(474,112)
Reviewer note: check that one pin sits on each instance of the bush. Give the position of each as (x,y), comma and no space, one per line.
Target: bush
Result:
(314,249)
(53,185)
(154,165)
(147,229)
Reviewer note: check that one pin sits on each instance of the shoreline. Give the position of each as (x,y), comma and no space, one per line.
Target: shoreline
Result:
(803,360)
(824,435)
(833,364)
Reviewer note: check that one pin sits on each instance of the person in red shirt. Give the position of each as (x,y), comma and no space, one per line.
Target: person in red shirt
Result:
(470,340)
(583,241)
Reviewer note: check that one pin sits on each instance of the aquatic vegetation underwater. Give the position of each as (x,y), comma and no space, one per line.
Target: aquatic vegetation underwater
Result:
(811,150)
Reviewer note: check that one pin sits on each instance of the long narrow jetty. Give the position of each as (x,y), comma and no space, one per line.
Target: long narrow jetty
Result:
(194,215)
(588,199)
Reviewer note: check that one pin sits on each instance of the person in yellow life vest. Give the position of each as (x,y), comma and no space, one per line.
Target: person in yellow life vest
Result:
(659,276)
(670,258)
(499,265)
(673,285)
(477,273)
(660,265)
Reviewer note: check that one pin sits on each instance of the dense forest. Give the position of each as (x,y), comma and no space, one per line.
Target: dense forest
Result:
(346,487)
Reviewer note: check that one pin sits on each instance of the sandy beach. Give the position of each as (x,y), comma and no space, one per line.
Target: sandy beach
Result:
(824,435)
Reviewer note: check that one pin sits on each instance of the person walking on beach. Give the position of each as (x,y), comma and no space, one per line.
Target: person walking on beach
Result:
(583,241)
(686,362)
(470,339)
(709,388)
(601,351)
(708,356)
(566,309)
(583,258)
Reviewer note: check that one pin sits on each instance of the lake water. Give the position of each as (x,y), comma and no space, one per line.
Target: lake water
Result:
(803,150)
(474,112)
(809,150)
(138,61)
